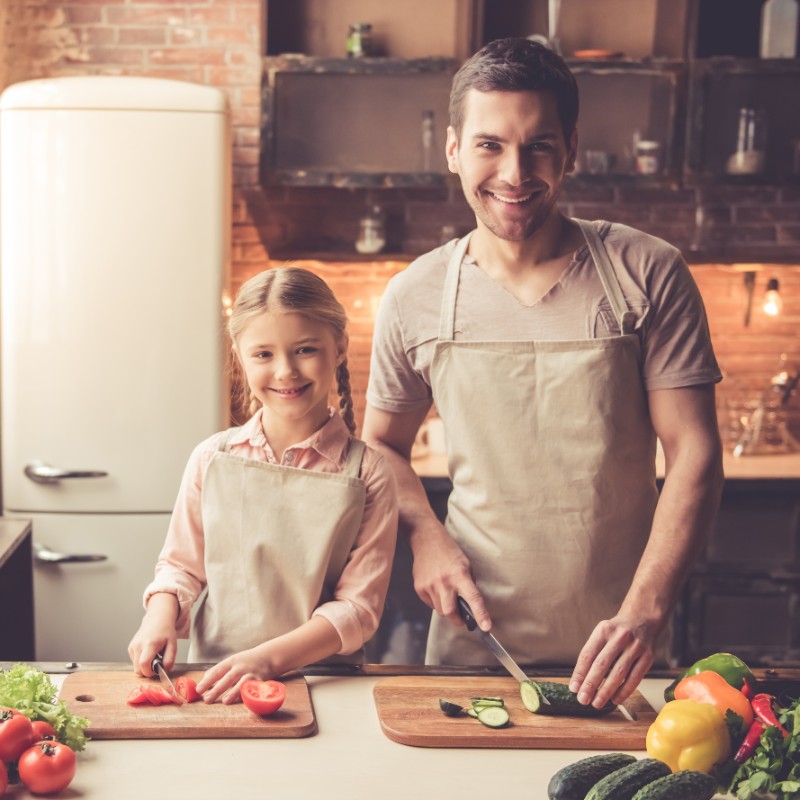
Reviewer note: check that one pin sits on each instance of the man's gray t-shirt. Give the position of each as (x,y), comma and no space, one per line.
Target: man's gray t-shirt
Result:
(658,287)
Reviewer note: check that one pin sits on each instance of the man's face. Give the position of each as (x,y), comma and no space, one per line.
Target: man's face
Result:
(512,158)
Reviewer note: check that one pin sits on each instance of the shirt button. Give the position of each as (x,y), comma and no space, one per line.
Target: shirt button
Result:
(289,457)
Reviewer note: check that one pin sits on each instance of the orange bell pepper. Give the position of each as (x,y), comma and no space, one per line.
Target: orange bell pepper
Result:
(712,688)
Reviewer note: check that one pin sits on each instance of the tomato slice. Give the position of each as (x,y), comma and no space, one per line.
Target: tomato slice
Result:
(156,696)
(186,687)
(137,696)
(263,697)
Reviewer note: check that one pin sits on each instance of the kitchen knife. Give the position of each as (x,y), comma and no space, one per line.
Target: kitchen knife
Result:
(501,654)
(505,659)
(157,666)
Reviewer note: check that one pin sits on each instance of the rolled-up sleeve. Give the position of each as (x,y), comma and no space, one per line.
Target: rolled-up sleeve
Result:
(360,593)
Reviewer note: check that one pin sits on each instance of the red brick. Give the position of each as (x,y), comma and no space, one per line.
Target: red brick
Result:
(144,36)
(231,35)
(182,34)
(83,15)
(210,15)
(116,55)
(142,15)
(186,55)
(655,196)
(243,156)
(238,76)
(248,13)
(246,176)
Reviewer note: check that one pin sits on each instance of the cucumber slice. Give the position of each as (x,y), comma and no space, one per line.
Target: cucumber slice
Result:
(486,703)
(495,701)
(450,709)
(493,716)
(472,713)
(531,695)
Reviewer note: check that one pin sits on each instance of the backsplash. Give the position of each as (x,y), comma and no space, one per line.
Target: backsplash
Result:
(218,42)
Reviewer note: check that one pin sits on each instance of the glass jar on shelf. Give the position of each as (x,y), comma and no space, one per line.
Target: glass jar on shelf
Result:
(359,40)
(371,231)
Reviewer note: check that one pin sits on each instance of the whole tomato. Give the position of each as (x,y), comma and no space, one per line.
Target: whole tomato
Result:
(3,778)
(47,767)
(15,734)
(42,730)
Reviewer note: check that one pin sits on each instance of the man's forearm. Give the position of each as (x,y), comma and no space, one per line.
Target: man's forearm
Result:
(683,518)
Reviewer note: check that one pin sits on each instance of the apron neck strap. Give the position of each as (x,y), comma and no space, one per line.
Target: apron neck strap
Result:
(447,317)
(352,466)
(608,276)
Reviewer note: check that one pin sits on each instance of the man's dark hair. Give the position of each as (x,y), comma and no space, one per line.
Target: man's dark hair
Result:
(516,64)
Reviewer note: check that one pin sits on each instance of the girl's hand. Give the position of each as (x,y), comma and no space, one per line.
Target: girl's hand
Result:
(224,680)
(156,633)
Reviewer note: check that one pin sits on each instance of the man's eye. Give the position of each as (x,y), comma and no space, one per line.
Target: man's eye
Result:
(489,146)
(542,147)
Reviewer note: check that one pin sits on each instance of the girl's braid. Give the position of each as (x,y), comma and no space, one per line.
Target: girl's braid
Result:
(345,396)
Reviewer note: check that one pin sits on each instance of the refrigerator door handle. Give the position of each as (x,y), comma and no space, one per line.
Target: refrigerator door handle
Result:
(44,555)
(44,473)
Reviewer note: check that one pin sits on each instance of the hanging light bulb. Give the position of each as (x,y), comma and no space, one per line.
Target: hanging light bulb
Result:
(773,303)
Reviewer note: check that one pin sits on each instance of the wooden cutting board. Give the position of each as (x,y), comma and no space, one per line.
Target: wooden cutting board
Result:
(408,710)
(101,698)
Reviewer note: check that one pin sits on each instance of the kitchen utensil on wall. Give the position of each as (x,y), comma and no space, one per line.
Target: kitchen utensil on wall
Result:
(751,142)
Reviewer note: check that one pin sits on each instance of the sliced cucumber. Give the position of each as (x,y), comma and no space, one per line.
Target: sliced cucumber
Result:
(450,709)
(472,713)
(531,696)
(493,701)
(486,703)
(493,716)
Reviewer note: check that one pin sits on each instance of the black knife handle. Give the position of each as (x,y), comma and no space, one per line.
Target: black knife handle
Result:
(466,613)
(158,660)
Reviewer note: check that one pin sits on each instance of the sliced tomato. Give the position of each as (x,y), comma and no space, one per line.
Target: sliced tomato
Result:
(156,696)
(263,697)
(138,696)
(186,687)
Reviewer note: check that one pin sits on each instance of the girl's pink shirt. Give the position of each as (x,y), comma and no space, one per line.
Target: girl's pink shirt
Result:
(360,593)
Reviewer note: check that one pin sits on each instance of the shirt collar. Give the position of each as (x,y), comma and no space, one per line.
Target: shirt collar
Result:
(330,441)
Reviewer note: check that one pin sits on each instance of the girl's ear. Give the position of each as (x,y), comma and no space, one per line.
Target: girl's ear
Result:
(341,348)
(237,355)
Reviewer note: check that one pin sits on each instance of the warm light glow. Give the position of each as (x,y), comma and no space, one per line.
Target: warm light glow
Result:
(773,304)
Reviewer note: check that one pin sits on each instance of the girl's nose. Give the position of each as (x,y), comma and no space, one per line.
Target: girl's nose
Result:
(285,368)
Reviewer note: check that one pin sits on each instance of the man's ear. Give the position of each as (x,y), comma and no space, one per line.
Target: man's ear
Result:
(573,151)
(450,150)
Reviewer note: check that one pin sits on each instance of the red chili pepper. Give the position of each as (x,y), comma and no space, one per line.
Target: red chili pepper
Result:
(762,708)
(747,691)
(750,741)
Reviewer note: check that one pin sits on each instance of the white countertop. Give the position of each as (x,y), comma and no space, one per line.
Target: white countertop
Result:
(434,465)
(350,758)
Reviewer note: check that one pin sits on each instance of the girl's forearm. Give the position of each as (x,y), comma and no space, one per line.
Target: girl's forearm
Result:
(313,641)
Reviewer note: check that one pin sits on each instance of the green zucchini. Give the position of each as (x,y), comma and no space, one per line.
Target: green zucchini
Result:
(450,709)
(624,783)
(562,702)
(685,785)
(574,781)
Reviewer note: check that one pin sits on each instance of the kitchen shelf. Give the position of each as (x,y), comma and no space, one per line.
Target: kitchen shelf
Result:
(354,122)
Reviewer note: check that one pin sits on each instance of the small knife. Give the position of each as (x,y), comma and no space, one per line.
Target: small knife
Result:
(157,666)
(491,642)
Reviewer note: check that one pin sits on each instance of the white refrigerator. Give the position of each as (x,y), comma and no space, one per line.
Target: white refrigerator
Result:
(114,245)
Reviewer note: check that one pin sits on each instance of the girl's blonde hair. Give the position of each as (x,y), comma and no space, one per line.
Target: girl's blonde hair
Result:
(302,292)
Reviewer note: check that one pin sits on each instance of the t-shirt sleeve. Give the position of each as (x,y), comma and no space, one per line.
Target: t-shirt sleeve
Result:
(394,385)
(677,344)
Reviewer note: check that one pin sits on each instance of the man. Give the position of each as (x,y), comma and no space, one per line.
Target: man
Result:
(555,351)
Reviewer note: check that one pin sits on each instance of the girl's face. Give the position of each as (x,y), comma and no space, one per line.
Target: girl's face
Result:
(290,362)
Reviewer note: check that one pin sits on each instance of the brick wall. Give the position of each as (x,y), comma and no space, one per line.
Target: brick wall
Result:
(219,43)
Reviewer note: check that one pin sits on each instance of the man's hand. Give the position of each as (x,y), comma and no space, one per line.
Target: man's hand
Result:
(442,572)
(614,660)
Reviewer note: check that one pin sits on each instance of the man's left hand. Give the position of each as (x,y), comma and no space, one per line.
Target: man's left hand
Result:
(614,660)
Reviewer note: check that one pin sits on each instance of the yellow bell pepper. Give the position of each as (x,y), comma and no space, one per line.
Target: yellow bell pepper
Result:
(689,735)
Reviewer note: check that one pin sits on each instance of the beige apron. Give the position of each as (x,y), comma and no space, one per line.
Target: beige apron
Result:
(276,541)
(552,458)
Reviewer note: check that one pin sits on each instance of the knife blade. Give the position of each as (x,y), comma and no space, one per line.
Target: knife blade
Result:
(505,659)
(157,666)
(500,653)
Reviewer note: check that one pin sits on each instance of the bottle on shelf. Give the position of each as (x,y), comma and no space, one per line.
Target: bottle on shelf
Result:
(371,231)
(749,157)
(427,140)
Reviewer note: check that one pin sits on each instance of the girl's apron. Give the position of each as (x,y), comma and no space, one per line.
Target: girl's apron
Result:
(276,542)
(552,457)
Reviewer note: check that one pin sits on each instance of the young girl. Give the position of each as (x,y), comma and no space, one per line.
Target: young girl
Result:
(288,522)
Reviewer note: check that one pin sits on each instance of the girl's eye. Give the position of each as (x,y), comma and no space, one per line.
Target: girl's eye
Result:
(263,354)
(304,351)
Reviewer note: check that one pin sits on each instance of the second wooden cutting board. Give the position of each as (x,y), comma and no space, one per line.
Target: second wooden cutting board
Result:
(101,698)
(408,710)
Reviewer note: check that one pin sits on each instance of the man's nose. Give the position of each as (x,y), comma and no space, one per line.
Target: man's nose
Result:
(514,167)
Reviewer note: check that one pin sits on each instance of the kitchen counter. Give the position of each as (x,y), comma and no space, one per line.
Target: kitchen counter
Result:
(16,590)
(771,467)
(348,759)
